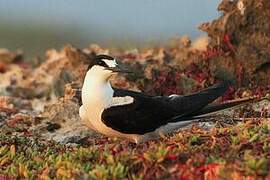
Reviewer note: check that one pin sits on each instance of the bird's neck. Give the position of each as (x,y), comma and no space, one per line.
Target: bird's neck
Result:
(96,92)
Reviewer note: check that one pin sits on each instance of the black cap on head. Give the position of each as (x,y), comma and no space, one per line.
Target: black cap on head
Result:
(103,56)
(98,60)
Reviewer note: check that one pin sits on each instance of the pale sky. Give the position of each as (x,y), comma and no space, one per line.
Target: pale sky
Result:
(105,20)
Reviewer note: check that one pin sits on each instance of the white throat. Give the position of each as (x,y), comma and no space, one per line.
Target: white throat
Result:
(97,92)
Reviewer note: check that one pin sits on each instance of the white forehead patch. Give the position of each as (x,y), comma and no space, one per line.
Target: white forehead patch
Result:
(120,101)
(110,63)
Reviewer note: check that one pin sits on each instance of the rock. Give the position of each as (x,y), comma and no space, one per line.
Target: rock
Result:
(53,126)
(226,6)
(3,67)
(8,56)
(60,68)
(62,123)
(59,82)
(200,44)
(13,74)
(185,41)
(242,37)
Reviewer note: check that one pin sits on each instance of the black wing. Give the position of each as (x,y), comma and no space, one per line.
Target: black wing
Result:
(147,113)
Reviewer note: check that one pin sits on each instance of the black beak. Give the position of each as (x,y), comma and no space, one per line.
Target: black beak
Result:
(120,69)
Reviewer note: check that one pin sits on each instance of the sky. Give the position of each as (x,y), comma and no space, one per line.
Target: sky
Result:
(103,21)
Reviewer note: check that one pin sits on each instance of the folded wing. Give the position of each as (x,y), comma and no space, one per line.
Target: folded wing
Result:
(143,113)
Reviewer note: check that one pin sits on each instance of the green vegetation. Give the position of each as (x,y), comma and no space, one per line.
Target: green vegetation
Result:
(228,152)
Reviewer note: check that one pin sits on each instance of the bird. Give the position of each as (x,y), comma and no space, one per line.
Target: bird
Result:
(136,116)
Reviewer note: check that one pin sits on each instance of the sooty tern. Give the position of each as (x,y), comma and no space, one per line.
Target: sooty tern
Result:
(136,116)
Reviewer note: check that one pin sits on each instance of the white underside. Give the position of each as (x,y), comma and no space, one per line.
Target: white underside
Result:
(97,125)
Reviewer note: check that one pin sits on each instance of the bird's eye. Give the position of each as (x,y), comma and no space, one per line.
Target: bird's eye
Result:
(101,63)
